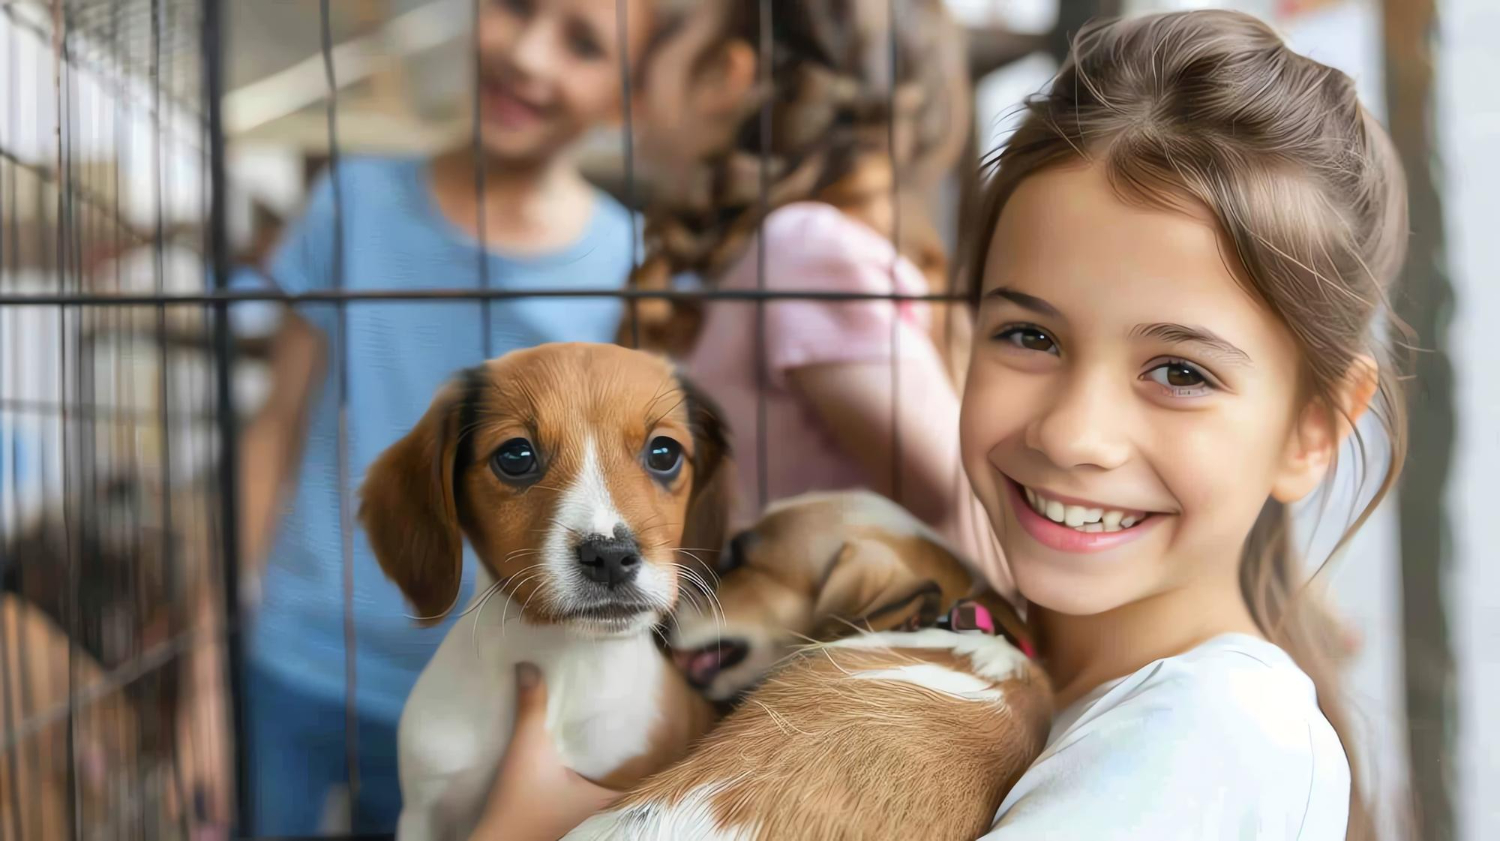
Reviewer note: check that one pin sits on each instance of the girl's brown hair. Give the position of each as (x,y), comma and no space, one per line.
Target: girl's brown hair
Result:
(857,109)
(1212,107)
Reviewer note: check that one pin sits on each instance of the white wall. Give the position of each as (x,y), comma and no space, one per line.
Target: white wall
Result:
(1469,118)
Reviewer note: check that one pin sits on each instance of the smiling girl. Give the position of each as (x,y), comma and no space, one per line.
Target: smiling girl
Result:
(1182,256)
(1179,266)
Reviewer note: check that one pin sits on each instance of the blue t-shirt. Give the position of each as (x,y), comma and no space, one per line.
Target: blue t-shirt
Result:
(398,354)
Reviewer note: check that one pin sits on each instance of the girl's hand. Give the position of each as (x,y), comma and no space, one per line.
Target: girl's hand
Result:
(536,797)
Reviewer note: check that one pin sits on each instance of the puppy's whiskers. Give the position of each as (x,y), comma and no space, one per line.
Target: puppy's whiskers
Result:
(715,607)
(707,568)
(489,591)
(525,578)
(474,628)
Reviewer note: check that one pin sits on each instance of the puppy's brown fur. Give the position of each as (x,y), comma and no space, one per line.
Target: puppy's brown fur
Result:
(43,673)
(817,754)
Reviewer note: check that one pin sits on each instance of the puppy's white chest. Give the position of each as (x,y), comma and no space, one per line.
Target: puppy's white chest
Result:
(602,699)
(603,703)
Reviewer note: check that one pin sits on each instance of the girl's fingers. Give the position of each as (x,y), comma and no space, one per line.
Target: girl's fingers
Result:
(530,731)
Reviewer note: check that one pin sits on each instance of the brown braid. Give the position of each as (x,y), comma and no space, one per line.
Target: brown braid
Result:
(831,103)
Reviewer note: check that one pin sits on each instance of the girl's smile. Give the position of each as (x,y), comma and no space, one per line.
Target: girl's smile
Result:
(1070,524)
(504,107)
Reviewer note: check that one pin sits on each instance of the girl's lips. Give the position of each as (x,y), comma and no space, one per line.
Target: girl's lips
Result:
(505,108)
(1064,538)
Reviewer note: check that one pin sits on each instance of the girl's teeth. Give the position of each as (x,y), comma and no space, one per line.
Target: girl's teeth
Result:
(1090,520)
(1055,511)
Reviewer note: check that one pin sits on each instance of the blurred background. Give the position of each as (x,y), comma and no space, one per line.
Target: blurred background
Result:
(123,585)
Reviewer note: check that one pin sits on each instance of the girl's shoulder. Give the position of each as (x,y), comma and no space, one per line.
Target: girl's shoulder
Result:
(1217,742)
(820,226)
(814,245)
(1232,688)
(369,183)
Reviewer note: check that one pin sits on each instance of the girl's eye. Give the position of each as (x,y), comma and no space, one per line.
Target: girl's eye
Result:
(515,460)
(1029,338)
(584,44)
(519,8)
(664,458)
(1183,379)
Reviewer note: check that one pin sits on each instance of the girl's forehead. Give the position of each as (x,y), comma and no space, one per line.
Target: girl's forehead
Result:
(1068,237)
(606,16)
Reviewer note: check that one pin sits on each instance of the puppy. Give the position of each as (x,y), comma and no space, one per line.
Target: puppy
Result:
(803,571)
(883,734)
(577,472)
(63,776)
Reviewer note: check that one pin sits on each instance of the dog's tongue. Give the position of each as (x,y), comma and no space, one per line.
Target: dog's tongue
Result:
(700,666)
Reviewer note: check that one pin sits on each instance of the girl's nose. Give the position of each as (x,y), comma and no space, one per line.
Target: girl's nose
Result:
(532,55)
(1084,426)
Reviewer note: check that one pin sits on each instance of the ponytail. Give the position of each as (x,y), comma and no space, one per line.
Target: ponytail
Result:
(1294,616)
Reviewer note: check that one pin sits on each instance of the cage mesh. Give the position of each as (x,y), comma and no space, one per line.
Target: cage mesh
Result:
(120,395)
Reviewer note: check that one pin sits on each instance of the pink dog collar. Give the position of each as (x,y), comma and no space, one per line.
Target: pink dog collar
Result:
(969,615)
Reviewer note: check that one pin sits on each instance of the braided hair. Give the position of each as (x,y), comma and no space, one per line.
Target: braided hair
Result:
(859,110)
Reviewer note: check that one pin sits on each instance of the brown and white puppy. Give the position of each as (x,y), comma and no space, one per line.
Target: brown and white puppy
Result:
(576,472)
(882,734)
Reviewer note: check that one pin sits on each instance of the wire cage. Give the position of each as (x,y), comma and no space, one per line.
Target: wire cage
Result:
(122,388)
(113,616)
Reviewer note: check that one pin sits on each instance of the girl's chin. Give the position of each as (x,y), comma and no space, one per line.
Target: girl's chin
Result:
(523,146)
(1068,589)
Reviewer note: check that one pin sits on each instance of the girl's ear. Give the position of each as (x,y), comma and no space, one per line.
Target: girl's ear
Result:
(726,81)
(1321,429)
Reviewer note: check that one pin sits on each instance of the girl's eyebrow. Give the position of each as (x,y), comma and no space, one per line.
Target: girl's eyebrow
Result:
(1027,302)
(1201,336)
(588,27)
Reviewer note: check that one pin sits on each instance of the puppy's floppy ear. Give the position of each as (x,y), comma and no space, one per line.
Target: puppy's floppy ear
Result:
(712,497)
(409,510)
(869,588)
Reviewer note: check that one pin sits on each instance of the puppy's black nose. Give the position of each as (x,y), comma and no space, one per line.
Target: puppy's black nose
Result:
(610,561)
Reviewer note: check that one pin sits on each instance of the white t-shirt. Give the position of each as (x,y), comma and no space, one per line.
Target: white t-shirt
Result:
(1225,741)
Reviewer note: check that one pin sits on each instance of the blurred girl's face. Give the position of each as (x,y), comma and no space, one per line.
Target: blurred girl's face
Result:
(1130,407)
(549,70)
(692,90)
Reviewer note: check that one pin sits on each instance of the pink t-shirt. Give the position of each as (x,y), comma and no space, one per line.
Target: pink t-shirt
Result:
(810,246)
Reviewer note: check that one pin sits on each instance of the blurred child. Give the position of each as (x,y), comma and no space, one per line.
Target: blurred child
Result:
(824,150)
(548,71)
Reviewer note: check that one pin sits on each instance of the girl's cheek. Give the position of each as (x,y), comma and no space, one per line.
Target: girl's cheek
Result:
(990,411)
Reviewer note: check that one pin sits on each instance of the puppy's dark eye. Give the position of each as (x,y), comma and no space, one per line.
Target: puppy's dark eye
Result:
(516,459)
(734,556)
(664,458)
